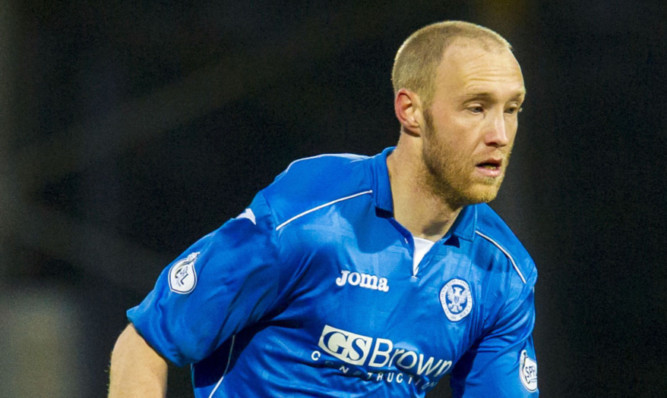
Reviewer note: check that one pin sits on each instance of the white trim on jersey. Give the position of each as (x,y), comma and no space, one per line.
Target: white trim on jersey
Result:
(323,155)
(322,206)
(229,360)
(502,249)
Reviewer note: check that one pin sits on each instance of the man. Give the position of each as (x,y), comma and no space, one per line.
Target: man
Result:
(364,276)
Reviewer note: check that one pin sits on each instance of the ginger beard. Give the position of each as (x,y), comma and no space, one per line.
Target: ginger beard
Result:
(450,173)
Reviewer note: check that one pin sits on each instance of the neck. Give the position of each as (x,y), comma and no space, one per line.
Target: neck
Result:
(423,212)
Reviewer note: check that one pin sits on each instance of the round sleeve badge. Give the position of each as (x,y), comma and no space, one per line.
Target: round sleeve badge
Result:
(182,275)
(456,299)
(528,372)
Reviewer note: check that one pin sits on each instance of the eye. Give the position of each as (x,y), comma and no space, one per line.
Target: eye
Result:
(513,110)
(476,109)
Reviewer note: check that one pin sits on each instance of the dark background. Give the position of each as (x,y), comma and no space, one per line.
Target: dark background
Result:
(131,128)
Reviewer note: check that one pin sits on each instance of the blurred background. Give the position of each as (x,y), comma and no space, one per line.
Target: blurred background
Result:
(131,128)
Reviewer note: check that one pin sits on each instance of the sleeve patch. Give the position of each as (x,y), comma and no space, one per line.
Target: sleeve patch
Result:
(182,275)
(528,372)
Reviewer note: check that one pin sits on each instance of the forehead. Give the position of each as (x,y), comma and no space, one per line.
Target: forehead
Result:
(469,68)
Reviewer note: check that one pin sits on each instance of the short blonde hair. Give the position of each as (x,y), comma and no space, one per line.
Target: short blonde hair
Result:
(419,56)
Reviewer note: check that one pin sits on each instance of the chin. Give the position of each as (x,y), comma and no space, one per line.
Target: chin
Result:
(481,195)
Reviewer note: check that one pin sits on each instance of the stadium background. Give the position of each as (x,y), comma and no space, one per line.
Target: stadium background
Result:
(130,128)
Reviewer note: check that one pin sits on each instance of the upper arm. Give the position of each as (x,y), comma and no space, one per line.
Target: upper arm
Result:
(502,363)
(224,282)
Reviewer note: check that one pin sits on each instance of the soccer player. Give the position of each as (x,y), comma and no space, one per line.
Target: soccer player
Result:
(356,276)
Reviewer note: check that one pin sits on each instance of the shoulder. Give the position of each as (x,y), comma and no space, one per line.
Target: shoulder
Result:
(497,237)
(332,164)
(316,181)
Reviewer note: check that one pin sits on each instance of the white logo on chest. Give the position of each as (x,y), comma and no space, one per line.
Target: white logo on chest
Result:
(362,280)
(456,299)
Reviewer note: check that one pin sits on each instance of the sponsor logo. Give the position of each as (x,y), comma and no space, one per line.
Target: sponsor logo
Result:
(456,299)
(528,373)
(365,281)
(355,349)
(182,275)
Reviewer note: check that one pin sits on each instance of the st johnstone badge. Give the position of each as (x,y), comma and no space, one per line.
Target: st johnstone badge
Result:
(456,299)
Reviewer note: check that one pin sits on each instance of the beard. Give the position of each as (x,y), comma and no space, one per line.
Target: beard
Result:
(448,173)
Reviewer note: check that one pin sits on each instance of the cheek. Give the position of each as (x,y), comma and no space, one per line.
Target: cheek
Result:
(454,132)
(449,143)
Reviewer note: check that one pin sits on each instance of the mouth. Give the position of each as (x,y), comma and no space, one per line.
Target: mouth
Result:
(490,167)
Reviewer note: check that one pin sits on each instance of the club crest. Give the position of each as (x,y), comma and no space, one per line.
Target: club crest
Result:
(528,372)
(182,275)
(456,299)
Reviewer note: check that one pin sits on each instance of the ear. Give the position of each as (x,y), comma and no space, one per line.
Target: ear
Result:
(407,106)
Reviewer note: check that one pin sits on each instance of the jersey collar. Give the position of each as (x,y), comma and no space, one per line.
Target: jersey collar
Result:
(464,226)
(381,186)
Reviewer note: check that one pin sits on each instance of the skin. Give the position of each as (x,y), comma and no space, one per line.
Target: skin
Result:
(136,369)
(455,151)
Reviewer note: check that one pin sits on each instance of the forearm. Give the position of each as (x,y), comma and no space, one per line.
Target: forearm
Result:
(136,369)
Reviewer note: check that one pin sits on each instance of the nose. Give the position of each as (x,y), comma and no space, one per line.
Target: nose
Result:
(498,131)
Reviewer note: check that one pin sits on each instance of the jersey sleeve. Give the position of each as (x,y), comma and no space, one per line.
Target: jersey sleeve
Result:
(502,364)
(225,281)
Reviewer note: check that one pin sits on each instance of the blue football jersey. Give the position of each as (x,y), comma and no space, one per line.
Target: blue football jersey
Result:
(312,292)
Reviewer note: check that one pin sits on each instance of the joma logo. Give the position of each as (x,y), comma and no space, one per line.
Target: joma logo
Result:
(362,280)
